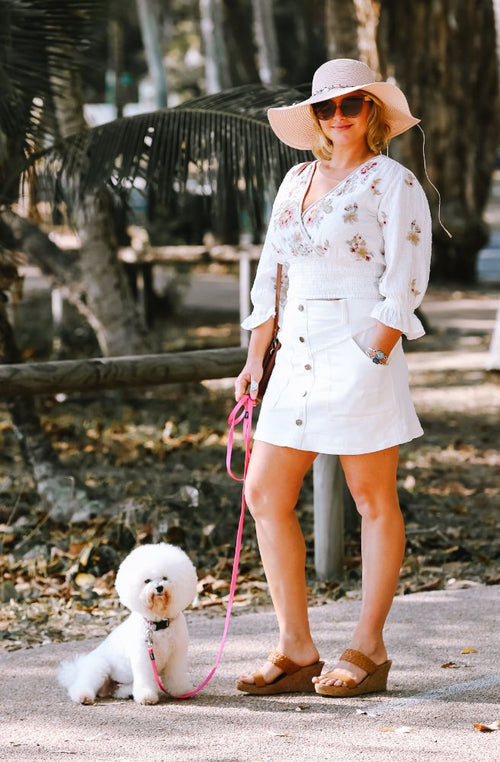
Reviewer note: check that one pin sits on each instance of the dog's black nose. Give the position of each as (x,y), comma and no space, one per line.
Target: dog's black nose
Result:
(159,588)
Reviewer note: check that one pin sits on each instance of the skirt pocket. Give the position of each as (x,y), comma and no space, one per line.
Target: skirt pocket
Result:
(358,387)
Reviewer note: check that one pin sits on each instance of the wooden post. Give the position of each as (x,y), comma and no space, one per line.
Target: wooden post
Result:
(244,279)
(493,362)
(328,516)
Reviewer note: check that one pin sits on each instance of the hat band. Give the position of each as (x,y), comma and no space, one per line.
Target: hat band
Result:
(335,86)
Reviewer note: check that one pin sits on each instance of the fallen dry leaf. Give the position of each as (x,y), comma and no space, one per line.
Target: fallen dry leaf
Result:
(468,651)
(401,729)
(84,580)
(487,728)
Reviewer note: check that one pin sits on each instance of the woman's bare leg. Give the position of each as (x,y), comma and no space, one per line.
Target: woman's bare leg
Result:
(272,488)
(372,481)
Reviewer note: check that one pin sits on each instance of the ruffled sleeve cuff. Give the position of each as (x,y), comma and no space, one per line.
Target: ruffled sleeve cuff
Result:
(257,317)
(398,316)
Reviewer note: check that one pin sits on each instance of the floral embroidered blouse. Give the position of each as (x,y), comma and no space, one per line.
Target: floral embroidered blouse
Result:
(369,237)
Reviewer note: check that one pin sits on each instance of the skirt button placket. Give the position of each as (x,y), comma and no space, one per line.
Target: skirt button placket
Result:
(304,358)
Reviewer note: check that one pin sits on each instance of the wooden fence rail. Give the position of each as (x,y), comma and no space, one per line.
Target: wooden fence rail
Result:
(54,377)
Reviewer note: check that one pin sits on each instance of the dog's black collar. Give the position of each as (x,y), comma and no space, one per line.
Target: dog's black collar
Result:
(162,625)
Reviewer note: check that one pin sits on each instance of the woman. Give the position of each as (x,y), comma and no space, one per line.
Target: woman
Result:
(353,232)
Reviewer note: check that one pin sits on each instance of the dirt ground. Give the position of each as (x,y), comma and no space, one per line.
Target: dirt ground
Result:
(156,458)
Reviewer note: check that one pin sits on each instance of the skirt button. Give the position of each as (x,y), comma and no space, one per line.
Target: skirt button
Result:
(307,367)
(301,339)
(298,422)
(301,308)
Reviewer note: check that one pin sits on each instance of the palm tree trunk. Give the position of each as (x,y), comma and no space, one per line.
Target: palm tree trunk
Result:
(111,310)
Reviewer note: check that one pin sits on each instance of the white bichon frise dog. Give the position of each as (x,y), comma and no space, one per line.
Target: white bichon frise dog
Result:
(156,582)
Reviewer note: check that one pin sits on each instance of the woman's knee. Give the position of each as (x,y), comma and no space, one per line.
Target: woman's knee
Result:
(264,501)
(274,479)
(372,482)
(374,501)
(256,498)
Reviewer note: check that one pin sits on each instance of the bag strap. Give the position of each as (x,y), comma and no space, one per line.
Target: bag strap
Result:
(279,279)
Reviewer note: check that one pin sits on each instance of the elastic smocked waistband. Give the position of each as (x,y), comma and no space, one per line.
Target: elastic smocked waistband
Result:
(345,310)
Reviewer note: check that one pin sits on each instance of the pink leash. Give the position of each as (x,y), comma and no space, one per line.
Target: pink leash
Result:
(242,412)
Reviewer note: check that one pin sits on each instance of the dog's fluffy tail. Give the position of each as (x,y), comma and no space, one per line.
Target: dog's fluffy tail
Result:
(67,672)
(84,677)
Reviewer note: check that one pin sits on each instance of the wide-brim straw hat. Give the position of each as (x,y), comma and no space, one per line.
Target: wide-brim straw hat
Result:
(295,125)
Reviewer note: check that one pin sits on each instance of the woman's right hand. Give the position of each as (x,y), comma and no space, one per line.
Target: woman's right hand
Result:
(248,381)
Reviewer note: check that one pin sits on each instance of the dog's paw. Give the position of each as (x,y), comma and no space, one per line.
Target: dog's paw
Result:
(85,698)
(146,698)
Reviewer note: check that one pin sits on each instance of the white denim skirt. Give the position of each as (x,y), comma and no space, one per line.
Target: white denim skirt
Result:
(325,395)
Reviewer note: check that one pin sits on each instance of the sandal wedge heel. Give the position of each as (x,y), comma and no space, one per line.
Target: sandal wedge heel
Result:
(374,682)
(295,679)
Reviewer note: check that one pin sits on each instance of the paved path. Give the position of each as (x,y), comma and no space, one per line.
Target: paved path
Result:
(426,716)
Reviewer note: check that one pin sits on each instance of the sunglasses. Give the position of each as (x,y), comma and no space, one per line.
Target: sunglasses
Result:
(350,107)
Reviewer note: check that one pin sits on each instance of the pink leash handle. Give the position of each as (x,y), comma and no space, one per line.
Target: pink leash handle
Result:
(242,412)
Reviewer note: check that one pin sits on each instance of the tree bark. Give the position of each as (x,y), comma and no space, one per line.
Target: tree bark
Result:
(111,310)
(302,38)
(241,48)
(342,29)
(368,14)
(64,270)
(265,38)
(443,55)
(62,267)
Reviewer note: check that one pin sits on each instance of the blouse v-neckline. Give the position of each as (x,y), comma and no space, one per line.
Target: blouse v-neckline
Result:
(314,165)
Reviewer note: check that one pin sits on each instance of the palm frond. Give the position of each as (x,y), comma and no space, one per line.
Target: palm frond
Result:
(219,145)
(41,43)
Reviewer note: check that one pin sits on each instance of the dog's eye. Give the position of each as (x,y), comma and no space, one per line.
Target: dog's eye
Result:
(147,581)
(165,579)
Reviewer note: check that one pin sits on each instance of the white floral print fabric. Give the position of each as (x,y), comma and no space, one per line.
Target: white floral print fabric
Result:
(369,237)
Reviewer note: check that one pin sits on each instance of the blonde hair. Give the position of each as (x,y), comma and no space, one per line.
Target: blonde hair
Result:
(377,131)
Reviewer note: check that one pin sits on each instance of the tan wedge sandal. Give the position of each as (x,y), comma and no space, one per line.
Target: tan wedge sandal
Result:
(295,679)
(374,682)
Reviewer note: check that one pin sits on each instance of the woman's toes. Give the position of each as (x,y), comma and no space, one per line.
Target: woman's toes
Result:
(338,678)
